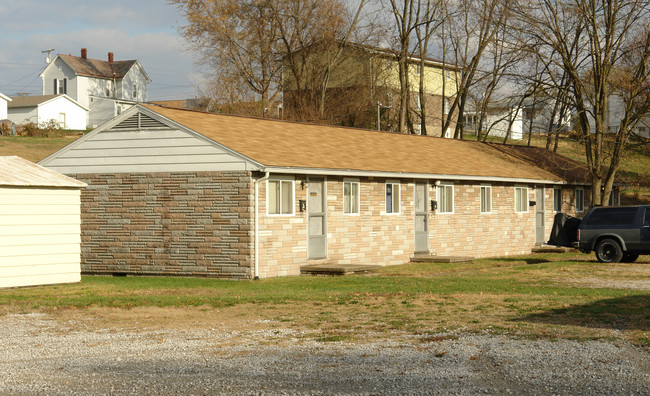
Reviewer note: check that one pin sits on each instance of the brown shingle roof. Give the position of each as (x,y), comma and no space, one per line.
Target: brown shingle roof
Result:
(98,68)
(564,167)
(288,144)
(29,101)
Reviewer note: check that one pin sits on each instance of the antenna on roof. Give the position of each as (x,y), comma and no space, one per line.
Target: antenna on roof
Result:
(48,58)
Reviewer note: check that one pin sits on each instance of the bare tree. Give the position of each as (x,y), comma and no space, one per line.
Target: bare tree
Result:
(602,45)
(470,26)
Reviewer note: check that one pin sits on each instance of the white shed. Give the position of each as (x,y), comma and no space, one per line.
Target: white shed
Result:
(40,225)
(3,106)
(41,109)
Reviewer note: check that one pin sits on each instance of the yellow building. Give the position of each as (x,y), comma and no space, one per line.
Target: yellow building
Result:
(363,81)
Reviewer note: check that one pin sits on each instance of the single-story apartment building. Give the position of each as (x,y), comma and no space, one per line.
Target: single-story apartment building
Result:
(61,109)
(40,225)
(181,192)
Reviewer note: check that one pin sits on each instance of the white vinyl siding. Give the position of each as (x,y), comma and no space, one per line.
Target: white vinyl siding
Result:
(392,198)
(580,200)
(521,199)
(557,199)
(486,199)
(40,239)
(280,197)
(351,197)
(445,195)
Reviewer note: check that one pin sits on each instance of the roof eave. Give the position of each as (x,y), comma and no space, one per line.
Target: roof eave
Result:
(406,175)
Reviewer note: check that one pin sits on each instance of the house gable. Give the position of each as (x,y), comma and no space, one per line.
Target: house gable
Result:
(141,141)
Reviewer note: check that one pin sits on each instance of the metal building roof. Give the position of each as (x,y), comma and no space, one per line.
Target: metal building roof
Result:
(19,172)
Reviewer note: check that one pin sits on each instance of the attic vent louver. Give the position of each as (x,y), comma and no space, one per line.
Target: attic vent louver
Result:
(139,121)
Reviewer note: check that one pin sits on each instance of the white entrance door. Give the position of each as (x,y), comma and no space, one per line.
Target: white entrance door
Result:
(317,219)
(540,232)
(421,217)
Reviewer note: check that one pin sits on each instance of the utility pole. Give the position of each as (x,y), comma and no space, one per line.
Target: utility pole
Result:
(48,58)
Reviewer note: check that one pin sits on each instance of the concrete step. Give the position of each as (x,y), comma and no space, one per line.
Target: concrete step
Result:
(552,249)
(333,269)
(431,258)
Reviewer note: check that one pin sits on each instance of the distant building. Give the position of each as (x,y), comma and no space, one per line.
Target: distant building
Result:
(106,88)
(59,109)
(364,82)
(3,106)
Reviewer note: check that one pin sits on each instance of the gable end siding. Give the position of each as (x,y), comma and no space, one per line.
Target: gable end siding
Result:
(124,150)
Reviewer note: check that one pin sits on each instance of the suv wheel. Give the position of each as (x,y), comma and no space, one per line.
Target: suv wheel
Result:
(609,251)
(629,257)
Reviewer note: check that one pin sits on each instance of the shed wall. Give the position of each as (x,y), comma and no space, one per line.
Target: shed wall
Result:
(39,236)
(182,223)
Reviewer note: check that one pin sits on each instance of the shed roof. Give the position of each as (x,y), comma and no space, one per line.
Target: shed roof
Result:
(20,172)
(274,143)
(30,100)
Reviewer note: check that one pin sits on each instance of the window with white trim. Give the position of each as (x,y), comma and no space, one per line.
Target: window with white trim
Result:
(351,197)
(557,199)
(486,199)
(392,198)
(521,199)
(580,199)
(280,197)
(135,91)
(445,196)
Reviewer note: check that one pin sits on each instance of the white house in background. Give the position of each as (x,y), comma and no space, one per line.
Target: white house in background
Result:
(105,87)
(40,225)
(3,106)
(615,112)
(42,109)
(501,117)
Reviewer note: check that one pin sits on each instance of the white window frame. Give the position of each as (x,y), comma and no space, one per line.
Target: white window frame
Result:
(443,186)
(109,88)
(395,186)
(281,180)
(488,188)
(358,197)
(557,201)
(523,195)
(580,204)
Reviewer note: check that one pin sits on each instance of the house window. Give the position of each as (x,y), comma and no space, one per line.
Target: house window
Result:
(580,200)
(280,197)
(109,88)
(418,69)
(392,198)
(486,199)
(521,199)
(60,86)
(350,197)
(557,199)
(135,91)
(445,195)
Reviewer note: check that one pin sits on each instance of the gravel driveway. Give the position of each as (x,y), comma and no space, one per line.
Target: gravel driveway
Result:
(38,356)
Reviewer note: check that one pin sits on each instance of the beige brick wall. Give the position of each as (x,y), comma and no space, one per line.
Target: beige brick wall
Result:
(374,237)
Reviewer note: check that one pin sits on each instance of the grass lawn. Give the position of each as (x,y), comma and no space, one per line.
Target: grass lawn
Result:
(545,295)
(34,148)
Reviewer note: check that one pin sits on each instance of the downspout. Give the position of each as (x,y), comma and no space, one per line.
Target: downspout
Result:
(256,271)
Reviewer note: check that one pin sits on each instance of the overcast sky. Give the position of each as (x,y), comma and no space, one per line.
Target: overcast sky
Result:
(145,30)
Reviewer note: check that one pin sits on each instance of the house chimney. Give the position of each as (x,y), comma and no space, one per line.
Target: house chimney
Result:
(84,53)
(110,57)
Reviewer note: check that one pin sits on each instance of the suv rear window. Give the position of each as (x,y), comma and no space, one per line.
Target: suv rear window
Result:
(612,216)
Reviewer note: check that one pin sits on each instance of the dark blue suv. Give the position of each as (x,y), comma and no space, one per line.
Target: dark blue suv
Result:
(618,233)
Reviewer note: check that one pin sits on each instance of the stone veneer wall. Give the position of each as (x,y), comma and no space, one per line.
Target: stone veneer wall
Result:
(185,223)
